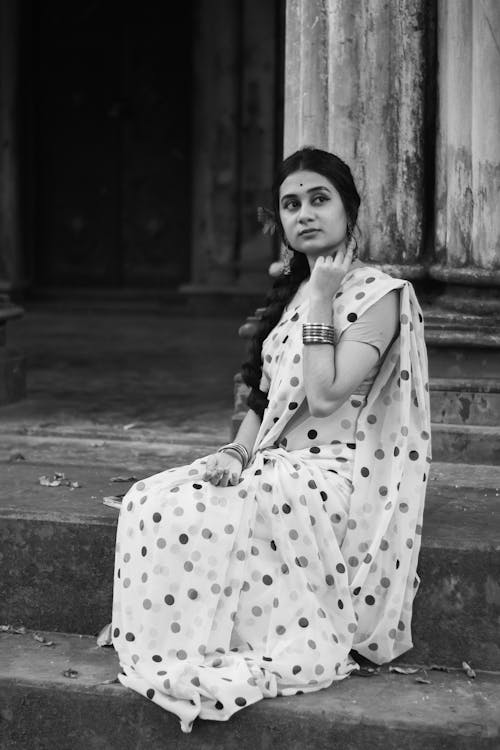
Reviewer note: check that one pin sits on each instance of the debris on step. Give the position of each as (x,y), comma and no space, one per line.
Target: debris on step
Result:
(71,674)
(104,638)
(404,670)
(468,670)
(58,480)
(16,630)
(42,640)
(113,501)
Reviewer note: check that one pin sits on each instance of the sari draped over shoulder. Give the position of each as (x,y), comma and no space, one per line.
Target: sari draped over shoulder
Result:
(224,596)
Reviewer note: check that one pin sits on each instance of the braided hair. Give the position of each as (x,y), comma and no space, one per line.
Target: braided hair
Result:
(285,286)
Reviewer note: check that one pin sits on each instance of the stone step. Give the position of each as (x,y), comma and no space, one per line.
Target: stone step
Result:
(461,358)
(466,443)
(58,548)
(465,402)
(42,709)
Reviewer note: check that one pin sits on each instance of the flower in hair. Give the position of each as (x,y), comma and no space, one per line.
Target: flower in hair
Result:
(267,219)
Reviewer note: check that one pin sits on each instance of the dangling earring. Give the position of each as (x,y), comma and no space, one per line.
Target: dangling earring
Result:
(352,243)
(286,255)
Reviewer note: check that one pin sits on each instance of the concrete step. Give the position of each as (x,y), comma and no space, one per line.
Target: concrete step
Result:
(58,548)
(43,710)
(465,402)
(466,443)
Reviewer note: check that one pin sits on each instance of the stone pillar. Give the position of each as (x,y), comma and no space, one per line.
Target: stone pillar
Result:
(11,265)
(236,106)
(356,85)
(215,142)
(468,147)
(260,103)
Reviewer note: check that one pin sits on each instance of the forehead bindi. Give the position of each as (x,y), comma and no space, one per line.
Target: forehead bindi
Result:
(300,183)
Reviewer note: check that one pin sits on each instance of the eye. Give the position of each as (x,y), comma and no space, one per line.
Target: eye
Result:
(290,204)
(319,199)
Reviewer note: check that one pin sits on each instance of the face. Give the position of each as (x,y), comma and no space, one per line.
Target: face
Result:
(312,214)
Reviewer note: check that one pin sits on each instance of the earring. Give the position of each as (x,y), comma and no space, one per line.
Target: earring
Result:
(286,255)
(352,243)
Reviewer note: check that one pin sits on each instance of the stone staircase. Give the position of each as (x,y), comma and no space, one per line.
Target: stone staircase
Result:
(56,563)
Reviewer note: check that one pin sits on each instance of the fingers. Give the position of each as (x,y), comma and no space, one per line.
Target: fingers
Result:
(347,259)
(220,475)
(209,468)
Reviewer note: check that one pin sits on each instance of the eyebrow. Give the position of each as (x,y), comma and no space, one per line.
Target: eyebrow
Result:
(311,190)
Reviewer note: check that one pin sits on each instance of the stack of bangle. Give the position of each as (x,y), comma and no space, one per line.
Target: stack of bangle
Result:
(237,449)
(318,333)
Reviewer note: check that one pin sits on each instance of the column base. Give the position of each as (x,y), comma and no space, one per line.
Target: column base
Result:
(12,376)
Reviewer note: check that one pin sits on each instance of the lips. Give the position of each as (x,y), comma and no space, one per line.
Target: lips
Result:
(305,232)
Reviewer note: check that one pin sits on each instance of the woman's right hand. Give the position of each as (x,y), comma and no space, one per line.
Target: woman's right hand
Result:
(223,469)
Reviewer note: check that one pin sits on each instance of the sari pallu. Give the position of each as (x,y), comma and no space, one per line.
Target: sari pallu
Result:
(390,463)
(224,596)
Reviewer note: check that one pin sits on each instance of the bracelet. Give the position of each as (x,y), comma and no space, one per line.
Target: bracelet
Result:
(318,333)
(239,450)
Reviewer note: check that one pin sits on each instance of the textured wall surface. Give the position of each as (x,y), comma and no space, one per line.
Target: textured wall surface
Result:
(356,85)
(236,107)
(468,147)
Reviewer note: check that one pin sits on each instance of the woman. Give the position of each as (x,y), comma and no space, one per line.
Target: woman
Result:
(255,572)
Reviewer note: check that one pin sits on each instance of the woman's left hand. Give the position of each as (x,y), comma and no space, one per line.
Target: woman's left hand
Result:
(328,273)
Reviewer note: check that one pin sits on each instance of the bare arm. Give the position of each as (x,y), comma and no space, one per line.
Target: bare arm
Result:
(248,430)
(331,374)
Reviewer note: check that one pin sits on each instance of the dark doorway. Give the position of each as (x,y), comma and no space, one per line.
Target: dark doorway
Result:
(112,116)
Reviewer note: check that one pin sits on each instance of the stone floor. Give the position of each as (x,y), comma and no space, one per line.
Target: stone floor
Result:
(99,371)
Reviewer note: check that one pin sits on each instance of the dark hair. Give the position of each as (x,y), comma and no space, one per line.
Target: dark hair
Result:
(285,286)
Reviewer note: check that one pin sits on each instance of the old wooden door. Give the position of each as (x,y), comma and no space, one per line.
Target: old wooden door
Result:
(113,110)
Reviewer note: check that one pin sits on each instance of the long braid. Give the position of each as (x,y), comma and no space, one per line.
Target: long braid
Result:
(280,295)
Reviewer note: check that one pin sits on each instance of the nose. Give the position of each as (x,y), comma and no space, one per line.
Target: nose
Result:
(305,213)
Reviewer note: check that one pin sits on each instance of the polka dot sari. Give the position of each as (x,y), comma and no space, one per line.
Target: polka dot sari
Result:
(225,596)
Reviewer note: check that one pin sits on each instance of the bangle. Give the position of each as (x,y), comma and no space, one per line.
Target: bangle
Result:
(318,333)
(239,450)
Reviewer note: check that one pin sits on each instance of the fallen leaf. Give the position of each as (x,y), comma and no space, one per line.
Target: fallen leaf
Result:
(110,682)
(16,457)
(104,637)
(57,480)
(113,501)
(123,479)
(19,630)
(129,426)
(46,481)
(404,670)
(439,668)
(42,640)
(468,670)
(423,681)
(72,674)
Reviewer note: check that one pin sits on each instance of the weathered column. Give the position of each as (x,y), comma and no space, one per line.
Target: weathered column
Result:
(356,85)
(468,145)
(259,113)
(215,142)
(234,144)
(11,266)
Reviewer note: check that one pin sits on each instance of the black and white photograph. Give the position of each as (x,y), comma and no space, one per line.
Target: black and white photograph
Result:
(250,375)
